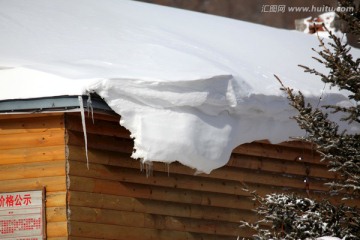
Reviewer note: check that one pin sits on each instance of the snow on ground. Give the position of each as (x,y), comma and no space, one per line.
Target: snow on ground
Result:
(190,87)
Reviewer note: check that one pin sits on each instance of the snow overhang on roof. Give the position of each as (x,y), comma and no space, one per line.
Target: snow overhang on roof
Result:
(190,87)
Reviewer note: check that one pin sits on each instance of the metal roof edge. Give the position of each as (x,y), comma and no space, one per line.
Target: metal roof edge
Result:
(52,104)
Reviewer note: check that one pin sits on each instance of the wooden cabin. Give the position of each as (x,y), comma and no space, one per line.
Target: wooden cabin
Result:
(42,149)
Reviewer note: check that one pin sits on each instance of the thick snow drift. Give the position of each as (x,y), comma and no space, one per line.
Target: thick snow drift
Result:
(190,87)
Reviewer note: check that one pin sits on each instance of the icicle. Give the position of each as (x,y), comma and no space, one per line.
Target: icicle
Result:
(147,166)
(168,168)
(84,128)
(141,166)
(148,169)
(90,107)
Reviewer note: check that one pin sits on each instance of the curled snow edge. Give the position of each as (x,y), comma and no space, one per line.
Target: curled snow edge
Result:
(196,122)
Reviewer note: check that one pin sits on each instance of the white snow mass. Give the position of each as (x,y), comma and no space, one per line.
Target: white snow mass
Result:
(190,87)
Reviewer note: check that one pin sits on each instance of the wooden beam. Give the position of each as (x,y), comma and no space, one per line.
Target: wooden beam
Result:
(231,181)
(52,184)
(29,115)
(278,166)
(55,199)
(158,178)
(56,214)
(100,142)
(32,154)
(106,116)
(98,127)
(118,232)
(291,143)
(53,137)
(278,152)
(158,193)
(153,221)
(238,161)
(178,209)
(56,229)
(32,170)
(239,175)
(31,125)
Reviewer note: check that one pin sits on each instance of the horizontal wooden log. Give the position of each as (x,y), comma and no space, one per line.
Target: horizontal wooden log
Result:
(56,229)
(31,125)
(52,184)
(158,178)
(158,193)
(32,170)
(56,214)
(229,186)
(195,183)
(30,115)
(118,232)
(270,179)
(123,160)
(281,166)
(52,137)
(278,152)
(98,127)
(154,221)
(232,174)
(111,158)
(292,144)
(141,191)
(178,209)
(238,161)
(32,154)
(55,199)
(108,143)
(105,116)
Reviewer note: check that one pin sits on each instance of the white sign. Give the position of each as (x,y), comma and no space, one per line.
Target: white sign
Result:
(22,215)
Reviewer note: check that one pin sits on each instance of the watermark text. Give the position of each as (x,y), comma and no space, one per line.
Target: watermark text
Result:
(274,8)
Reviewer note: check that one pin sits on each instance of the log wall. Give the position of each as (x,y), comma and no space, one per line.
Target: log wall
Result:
(32,156)
(117,199)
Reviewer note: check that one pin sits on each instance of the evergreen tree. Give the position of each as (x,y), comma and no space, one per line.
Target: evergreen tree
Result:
(294,217)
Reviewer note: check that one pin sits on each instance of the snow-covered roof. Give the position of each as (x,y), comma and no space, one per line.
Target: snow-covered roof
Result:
(189,86)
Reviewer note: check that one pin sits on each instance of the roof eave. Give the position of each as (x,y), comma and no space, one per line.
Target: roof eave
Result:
(52,104)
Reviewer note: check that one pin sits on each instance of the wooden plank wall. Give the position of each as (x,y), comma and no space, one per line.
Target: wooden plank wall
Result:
(32,156)
(114,199)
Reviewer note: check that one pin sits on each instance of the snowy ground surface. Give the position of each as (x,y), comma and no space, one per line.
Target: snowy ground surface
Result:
(190,87)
